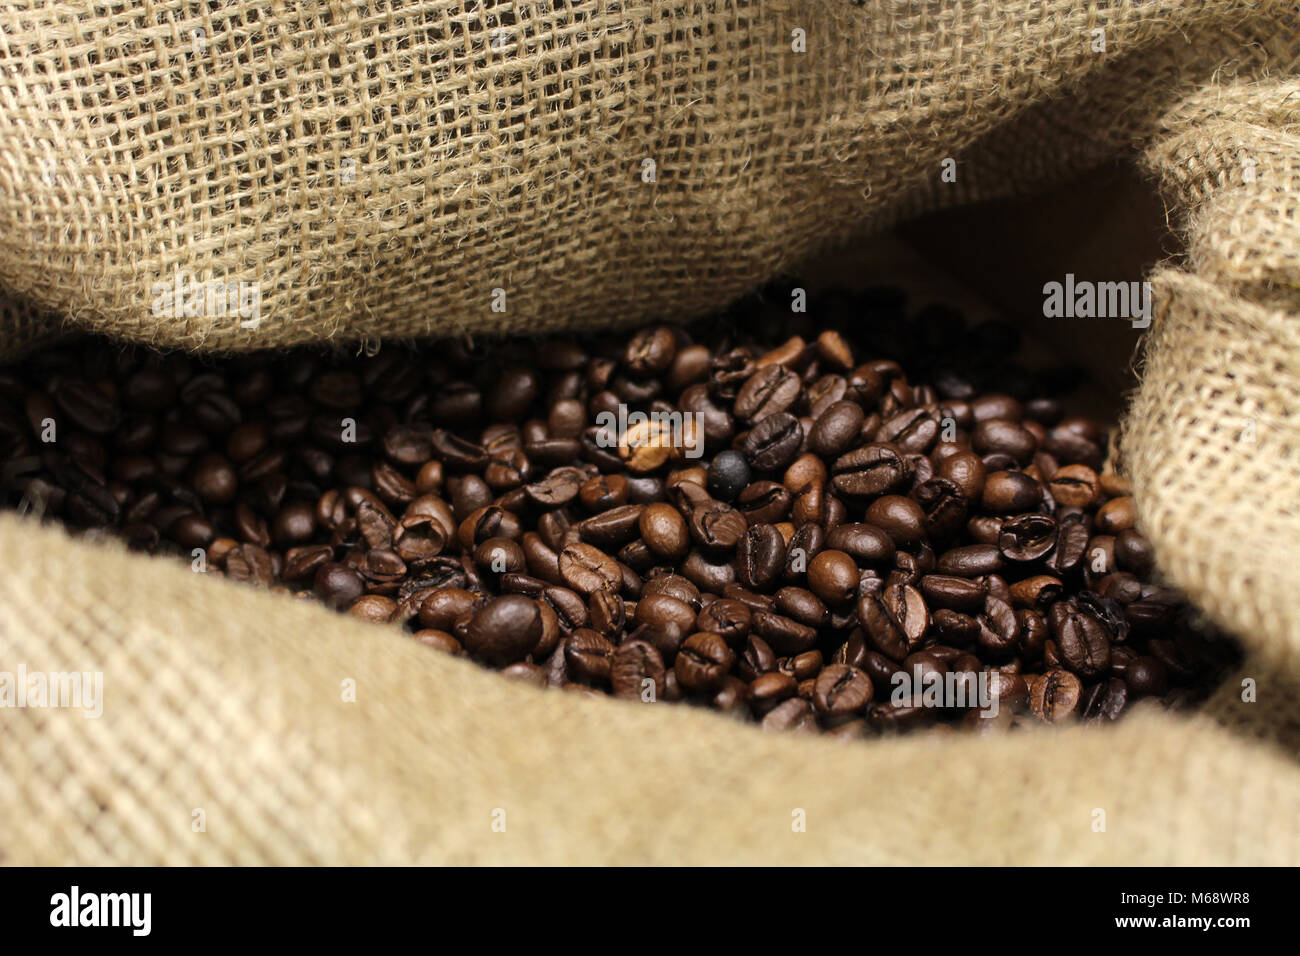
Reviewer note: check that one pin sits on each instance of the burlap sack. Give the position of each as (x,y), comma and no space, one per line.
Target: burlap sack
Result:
(521,169)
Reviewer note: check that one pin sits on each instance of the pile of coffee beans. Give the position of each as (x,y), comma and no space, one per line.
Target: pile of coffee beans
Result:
(784,516)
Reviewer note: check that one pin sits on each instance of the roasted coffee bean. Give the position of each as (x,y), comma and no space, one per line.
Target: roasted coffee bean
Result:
(607,612)
(301,564)
(1071,545)
(443,607)
(771,390)
(955,628)
(875,665)
(650,352)
(784,635)
(557,489)
(791,715)
(999,629)
(439,640)
(716,526)
(726,617)
(841,689)
(499,556)
(900,518)
(708,572)
(336,584)
(86,406)
(1133,552)
(1109,613)
(773,442)
(588,570)
(1147,677)
(944,506)
(215,480)
(1011,492)
(504,630)
(756,658)
(970,561)
(456,453)
(913,430)
(673,585)
(1055,696)
(1041,591)
(764,502)
(966,471)
(294,524)
(191,531)
(250,564)
(703,661)
(955,593)
(1075,486)
(805,544)
(906,607)
(664,532)
(732,698)
(881,629)
(611,529)
(637,672)
(664,621)
(1010,690)
(837,429)
(375,523)
(603,492)
(1069,447)
(768,690)
(1116,515)
(1104,701)
(865,543)
(375,608)
(760,557)
(833,577)
(872,470)
(648,446)
(825,392)
(1004,437)
(1081,638)
(1121,587)
(1027,537)
(408,445)
(802,605)
(589,656)
(251,527)
(888,718)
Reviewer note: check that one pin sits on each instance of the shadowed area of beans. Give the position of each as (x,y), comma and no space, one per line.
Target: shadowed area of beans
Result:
(849,520)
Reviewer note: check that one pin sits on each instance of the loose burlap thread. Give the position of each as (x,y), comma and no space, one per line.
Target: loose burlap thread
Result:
(219,155)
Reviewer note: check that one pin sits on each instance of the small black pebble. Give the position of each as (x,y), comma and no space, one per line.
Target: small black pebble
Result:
(728,475)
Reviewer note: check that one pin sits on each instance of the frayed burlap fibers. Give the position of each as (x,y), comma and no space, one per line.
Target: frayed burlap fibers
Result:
(379,171)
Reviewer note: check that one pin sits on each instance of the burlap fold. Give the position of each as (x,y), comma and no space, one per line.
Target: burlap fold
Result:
(379,170)
(403,168)
(232,703)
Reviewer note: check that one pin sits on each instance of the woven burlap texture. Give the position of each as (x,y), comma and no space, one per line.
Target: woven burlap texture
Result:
(230,702)
(379,170)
